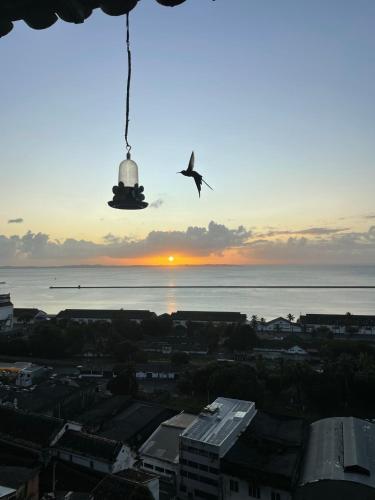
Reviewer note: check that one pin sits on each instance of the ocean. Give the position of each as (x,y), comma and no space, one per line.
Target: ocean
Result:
(30,287)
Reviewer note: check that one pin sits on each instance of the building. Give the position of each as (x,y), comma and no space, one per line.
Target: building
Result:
(265,461)
(206,441)
(339,323)
(30,375)
(31,432)
(339,461)
(61,398)
(93,452)
(6,313)
(153,371)
(135,423)
(26,315)
(93,315)
(24,481)
(183,318)
(278,325)
(160,453)
(126,484)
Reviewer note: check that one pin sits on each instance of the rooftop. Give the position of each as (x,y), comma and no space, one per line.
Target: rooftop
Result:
(20,427)
(14,477)
(89,445)
(338,319)
(104,314)
(340,448)
(136,423)
(269,451)
(208,316)
(219,420)
(163,444)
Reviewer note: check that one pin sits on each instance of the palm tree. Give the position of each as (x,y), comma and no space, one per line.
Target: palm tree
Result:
(262,321)
(291,319)
(254,321)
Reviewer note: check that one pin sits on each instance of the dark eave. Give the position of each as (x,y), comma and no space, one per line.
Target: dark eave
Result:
(41,14)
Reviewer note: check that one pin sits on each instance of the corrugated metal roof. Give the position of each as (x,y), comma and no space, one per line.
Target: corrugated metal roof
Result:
(340,448)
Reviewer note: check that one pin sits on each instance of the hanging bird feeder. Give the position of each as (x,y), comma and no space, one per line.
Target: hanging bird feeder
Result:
(128,194)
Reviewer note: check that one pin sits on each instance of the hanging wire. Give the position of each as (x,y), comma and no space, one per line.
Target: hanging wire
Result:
(128,146)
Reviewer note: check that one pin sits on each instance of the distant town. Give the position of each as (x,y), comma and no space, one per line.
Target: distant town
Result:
(126,404)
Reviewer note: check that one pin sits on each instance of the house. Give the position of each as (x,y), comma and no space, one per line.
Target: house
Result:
(24,481)
(6,313)
(183,318)
(93,452)
(135,423)
(278,325)
(32,432)
(339,323)
(339,461)
(160,453)
(30,375)
(152,371)
(265,460)
(206,441)
(127,483)
(93,315)
(7,493)
(62,398)
(25,315)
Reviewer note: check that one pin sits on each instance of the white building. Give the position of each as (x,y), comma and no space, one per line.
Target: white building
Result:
(94,452)
(152,371)
(278,325)
(183,318)
(6,313)
(339,323)
(30,374)
(205,442)
(160,453)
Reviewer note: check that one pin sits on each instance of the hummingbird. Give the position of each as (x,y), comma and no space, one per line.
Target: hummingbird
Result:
(190,172)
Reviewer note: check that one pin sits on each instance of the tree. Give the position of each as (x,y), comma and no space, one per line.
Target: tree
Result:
(290,317)
(241,339)
(125,383)
(126,351)
(179,358)
(254,321)
(141,493)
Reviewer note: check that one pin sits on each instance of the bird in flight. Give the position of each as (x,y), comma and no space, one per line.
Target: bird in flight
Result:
(190,172)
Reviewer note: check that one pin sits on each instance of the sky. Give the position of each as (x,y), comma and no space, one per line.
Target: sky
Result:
(276,99)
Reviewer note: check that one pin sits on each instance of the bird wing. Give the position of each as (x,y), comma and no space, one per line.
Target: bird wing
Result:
(198,182)
(191,163)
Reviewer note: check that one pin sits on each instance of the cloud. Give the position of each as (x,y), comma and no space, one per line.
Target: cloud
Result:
(195,241)
(306,246)
(15,221)
(369,217)
(157,203)
(336,248)
(312,231)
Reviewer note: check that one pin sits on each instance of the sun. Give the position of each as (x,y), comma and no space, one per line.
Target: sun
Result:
(171,259)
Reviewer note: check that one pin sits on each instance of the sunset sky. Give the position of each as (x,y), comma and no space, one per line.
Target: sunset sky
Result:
(277,99)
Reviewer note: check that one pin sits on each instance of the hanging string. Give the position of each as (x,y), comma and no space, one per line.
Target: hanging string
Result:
(128,146)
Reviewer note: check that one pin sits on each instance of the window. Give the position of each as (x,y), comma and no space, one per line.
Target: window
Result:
(214,471)
(254,490)
(148,466)
(183,473)
(275,496)
(233,485)
(194,465)
(203,467)
(159,469)
(191,475)
(203,494)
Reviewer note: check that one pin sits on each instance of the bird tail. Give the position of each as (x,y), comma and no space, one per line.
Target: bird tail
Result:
(207,184)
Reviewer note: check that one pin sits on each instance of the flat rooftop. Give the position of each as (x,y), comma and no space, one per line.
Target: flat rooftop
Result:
(219,420)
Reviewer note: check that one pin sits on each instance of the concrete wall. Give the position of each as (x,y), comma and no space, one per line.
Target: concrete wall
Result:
(332,490)
(265,492)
